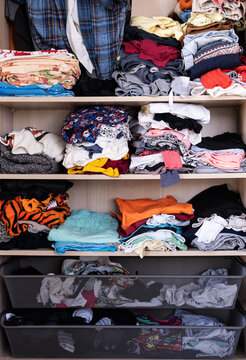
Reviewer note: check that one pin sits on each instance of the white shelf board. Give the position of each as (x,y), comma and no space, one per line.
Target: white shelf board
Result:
(58,103)
(121,177)
(189,253)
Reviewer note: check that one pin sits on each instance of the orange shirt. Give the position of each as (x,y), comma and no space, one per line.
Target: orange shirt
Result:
(135,210)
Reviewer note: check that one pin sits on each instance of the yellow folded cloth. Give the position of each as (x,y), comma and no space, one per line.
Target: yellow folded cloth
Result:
(158,25)
(95,166)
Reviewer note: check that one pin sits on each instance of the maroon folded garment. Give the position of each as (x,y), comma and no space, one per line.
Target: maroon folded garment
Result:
(122,165)
(148,50)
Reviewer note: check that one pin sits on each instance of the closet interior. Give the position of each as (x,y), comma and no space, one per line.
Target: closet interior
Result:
(98,193)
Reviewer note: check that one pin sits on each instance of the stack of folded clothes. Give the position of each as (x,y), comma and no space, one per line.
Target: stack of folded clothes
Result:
(220,220)
(29,210)
(163,135)
(234,10)
(152,224)
(38,73)
(86,231)
(148,62)
(97,140)
(220,153)
(209,50)
(31,151)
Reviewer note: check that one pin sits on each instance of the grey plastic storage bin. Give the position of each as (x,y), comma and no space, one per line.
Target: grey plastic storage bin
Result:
(129,341)
(154,282)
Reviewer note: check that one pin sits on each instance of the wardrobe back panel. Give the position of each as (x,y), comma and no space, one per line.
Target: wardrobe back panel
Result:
(153,8)
(4,28)
(99,195)
(222,119)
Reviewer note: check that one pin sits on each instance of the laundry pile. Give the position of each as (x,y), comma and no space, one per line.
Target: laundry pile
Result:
(162,137)
(86,231)
(152,224)
(212,290)
(88,292)
(97,140)
(91,30)
(220,220)
(217,154)
(211,51)
(142,334)
(183,9)
(38,73)
(209,340)
(31,151)
(149,61)
(29,210)
(123,55)
(234,10)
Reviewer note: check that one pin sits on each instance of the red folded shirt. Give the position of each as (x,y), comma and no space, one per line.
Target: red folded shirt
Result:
(149,50)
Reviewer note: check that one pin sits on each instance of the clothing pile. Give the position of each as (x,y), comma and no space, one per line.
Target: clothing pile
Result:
(97,140)
(220,220)
(162,136)
(31,151)
(234,10)
(148,61)
(29,210)
(180,333)
(211,290)
(92,30)
(211,51)
(217,154)
(183,9)
(152,224)
(38,73)
(200,342)
(86,231)
(204,51)
(89,292)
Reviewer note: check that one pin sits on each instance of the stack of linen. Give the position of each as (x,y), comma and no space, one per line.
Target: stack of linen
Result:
(29,209)
(31,151)
(86,231)
(163,135)
(220,153)
(152,224)
(97,140)
(149,61)
(220,220)
(38,73)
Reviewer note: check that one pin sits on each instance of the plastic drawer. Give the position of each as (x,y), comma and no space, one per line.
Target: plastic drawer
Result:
(127,341)
(153,283)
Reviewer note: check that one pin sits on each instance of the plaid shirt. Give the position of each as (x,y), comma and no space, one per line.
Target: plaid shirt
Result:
(48,23)
(102,26)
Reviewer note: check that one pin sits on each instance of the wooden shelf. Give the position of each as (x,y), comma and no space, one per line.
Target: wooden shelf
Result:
(190,252)
(58,103)
(121,177)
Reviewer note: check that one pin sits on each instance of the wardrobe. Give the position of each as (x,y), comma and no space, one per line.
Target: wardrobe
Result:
(97,192)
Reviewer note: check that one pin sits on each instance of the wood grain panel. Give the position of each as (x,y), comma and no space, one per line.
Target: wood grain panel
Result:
(153,8)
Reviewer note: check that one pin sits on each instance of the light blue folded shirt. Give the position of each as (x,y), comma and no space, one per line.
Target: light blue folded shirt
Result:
(85,226)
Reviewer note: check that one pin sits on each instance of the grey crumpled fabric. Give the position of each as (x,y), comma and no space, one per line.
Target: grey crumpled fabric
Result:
(25,163)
